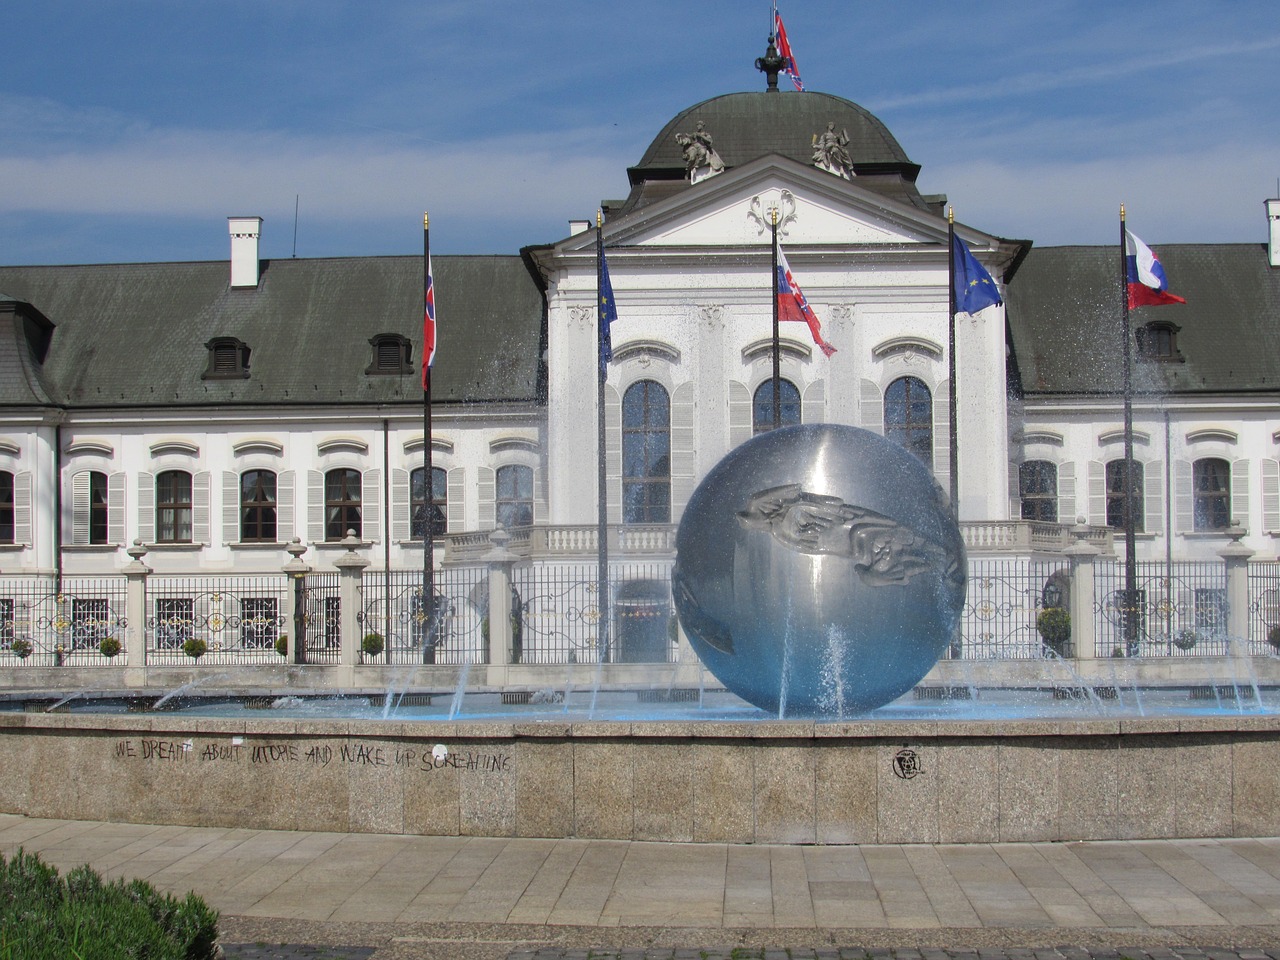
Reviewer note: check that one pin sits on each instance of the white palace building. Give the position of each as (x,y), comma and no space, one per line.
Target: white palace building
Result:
(168,430)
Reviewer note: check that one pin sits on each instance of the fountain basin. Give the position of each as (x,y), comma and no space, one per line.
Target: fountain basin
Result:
(861,781)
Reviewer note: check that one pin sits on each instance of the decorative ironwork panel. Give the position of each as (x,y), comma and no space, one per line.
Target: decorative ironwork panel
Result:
(81,624)
(392,607)
(1264,608)
(1002,600)
(215,620)
(1180,610)
(322,604)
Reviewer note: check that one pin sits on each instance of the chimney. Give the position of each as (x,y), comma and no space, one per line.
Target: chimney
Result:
(244,250)
(1273,221)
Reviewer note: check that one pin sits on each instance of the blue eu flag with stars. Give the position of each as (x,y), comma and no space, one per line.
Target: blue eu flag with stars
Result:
(975,289)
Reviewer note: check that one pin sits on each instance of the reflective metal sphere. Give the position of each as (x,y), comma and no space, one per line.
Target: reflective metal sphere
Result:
(819,571)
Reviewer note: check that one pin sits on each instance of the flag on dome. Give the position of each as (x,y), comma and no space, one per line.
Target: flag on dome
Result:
(792,69)
(1148,286)
(792,304)
(975,289)
(428,325)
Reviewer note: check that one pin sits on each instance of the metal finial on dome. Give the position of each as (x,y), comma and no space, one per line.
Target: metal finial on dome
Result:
(771,65)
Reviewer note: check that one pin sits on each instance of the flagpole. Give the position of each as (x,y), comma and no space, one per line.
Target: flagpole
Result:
(951,361)
(602,492)
(777,373)
(1130,617)
(428,546)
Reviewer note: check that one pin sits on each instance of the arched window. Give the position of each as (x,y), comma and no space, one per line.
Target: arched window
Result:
(6,506)
(1116,495)
(762,406)
(173,507)
(341,503)
(97,506)
(1211,482)
(1038,490)
(419,507)
(646,453)
(908,417)
(258,506)
(515,496)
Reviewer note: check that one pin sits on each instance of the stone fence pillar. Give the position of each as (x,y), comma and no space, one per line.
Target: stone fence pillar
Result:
(502,648)
(135,609)
(351,568)
(295,611)
(1236,556)
(1081,555)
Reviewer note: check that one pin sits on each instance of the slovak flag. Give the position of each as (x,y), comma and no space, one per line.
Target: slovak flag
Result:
(792,69)
(1148,286)
(428,325)
(793,306)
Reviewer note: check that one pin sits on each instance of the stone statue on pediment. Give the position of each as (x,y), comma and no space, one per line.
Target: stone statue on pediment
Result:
(831,153)
(700,157)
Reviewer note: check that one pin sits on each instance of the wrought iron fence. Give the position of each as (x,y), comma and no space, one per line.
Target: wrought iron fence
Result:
(392,608)
(215,620)
(1180,610)
(1264,607)
(322,620)
(1002,600)
(561,614)
(80,623)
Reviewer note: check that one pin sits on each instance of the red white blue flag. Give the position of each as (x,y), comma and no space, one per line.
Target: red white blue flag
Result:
(792,69)
(1148,286)
(428,325)
(793,306)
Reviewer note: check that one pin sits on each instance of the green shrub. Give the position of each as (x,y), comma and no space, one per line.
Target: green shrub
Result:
(282,644)
(1273,637)
(372,644)
(1185,639)
(21,648)
(109,647)
(44,917)
(195,648)
(1054,627)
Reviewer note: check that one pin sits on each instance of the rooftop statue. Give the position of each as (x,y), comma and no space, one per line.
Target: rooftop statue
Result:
(700,157)
(830,153)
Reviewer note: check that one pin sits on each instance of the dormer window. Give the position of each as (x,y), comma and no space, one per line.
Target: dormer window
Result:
(392,355)
(228,359)
(1158,342)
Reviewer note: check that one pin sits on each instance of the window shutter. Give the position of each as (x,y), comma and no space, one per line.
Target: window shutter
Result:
(22,507)
(872,408)
(370,501)
(942,434)
(1015,492)
(400,496)
(115,508)
(1153,496)
(683,458)
(739,414)
(813,404)
(488,497)
(1183,501)
(1270,495)
(1066,493)
(539,494)
(285,506)
(612,451)
(455,509)
(230,507)
(80,507)
(147,507)
(1097,493)
(200,483)
(1240,494)
(315,506)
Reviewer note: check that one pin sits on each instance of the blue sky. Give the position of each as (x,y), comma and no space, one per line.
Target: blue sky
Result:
(133,128)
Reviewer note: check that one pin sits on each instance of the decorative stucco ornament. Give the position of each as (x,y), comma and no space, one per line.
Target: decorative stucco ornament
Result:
(819,571)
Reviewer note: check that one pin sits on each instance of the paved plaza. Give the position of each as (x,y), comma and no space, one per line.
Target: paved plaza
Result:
(353,896)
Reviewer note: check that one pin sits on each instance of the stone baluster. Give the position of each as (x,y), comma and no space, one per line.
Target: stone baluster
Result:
(135,606)
(295,611)
(351,567)
(1236,556)
(1081,555)
(501,636)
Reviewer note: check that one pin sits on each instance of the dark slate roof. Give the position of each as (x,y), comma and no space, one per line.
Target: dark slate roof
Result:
(24,342)
(747,126)
(136,333)
(1064,309)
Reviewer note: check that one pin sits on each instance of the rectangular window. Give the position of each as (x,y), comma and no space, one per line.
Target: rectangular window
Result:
(259,622)
(1211,611)
(331,629)
(90,621)
(174,621)
(173,507)
(97,507)
(7,611)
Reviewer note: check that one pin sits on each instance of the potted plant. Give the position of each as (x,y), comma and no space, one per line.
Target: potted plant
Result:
(1054,626)
(282,645)
(194,648)
(1273,637)
(109,646)
(21,648)
(1185,639)
(372,644)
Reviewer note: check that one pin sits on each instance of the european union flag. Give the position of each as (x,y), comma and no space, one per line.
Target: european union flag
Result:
(975,289)
(608,314)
